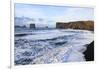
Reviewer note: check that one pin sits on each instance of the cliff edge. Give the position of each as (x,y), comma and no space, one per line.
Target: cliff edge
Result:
(83,25)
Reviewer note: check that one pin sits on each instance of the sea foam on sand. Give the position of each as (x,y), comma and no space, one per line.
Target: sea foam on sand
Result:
(52,46)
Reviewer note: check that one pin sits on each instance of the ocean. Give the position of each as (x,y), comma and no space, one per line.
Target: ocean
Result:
(50,46)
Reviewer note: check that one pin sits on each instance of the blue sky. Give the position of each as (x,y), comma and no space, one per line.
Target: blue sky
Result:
(54,13)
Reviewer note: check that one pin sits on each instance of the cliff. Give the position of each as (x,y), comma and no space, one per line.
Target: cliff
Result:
(83,25)
(89,53)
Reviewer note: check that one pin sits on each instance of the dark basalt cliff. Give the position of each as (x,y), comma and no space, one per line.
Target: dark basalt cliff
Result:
(89,53)
(83,25)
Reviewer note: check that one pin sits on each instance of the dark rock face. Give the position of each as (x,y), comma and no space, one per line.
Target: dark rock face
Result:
(89,53)
(32,26)
(83,25)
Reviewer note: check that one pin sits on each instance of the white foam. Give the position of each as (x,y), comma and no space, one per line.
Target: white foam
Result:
(72,50)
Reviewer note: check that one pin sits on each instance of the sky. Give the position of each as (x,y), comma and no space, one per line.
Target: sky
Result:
(49,15)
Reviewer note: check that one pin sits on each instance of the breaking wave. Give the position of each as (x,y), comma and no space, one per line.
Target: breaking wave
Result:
(51,46)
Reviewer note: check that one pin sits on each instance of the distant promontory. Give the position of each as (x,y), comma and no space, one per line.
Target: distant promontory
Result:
(83,25)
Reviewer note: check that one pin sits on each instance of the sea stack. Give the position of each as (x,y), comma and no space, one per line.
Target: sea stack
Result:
(32,26)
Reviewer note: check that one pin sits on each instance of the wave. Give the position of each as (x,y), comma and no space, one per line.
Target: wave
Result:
(51,46)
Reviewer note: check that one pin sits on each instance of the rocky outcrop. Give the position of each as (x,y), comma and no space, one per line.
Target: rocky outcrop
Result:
(83,25)
(32,26)
(89,53)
